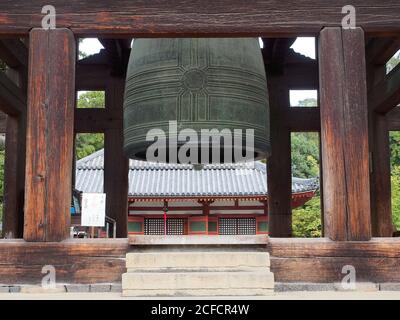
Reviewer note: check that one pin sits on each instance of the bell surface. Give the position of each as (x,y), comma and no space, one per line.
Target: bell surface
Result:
(178,86)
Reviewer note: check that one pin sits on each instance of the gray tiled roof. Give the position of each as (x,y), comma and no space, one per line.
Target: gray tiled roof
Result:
(149,179)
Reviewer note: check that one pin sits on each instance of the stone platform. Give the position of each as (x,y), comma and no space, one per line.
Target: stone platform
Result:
(197,270)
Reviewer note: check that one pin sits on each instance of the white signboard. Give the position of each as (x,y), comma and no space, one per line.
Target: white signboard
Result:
(93,209)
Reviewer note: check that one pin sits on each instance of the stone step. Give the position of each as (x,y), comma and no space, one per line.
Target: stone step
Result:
(207,281)
(227,292)
(196,260)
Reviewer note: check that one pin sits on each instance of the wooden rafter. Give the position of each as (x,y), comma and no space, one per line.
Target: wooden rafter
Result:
(380,50)
(12,99)
(393,119)
(386,95)
(14,53)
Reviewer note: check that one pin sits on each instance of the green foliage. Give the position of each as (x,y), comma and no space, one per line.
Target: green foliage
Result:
(396,196)
(305,154)
(395,148)
(87,143)
(91,99)
(308,102)
(306,220)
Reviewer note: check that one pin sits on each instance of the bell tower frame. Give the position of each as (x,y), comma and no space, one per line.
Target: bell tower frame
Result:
(357,108)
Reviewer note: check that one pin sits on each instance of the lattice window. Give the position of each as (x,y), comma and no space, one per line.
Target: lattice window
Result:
(176,226)
(246,226)
(155,226)
(237,226)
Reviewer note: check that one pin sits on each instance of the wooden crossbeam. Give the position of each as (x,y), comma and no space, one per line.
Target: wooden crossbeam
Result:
(95,121)
(153,18)
(12,99)
(91,76)
(14,53)
(303,119)
(393,119)
(380,50)
(386,95)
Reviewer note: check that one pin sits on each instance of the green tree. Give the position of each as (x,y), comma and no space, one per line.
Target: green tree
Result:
(305,154)
(308,102)
(306,220)
(396,196)
(87,143)
(305,149)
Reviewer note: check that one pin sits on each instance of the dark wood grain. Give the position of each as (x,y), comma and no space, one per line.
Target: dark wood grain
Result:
(116,164)
(393,119)
(195,17)
(51,100)
(12,98)
(344,134)
(75,261)
(381,208)
(386,94)
(279,176)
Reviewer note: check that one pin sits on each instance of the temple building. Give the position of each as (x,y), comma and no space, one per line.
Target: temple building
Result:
(180,199)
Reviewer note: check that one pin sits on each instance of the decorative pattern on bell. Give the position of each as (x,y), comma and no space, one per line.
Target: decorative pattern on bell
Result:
(183,95)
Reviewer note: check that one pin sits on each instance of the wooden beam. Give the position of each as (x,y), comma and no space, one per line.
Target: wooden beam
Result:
(14,53)
(154,18)
(322,260)
(91,77)
(51,101)
(116,164)
(303,119)
(344,134)
(380,50)
(279,163)
(95,120)
(393,119)
(386,94)
(76,260)
(12,98)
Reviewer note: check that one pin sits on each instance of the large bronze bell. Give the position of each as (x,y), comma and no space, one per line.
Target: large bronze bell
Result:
(201,84)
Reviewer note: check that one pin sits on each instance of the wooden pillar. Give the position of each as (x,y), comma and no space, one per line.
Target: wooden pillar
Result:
(49,144)
(381,206)
(116,164)
(14,165)
(14,177)
(279,163)
(381,202)
(344,134)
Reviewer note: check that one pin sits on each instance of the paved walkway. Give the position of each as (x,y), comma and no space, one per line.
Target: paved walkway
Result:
(299,295)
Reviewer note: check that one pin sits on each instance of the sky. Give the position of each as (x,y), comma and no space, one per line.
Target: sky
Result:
(302,45)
